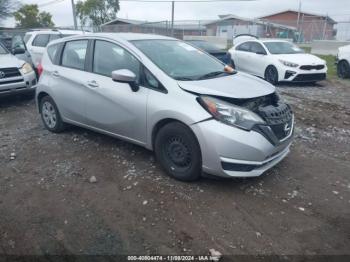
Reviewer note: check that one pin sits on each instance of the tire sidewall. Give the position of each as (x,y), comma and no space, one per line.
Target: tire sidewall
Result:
(346,65)
(59,124)
(177,129)
(274,81)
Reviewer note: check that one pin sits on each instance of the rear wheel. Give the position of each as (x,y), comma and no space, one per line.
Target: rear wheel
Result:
(178,151)
(271,75)
(343,69)
(50,115)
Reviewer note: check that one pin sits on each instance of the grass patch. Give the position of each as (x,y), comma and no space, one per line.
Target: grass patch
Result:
(332,68)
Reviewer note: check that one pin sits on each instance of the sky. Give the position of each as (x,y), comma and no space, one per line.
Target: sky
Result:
(339,10)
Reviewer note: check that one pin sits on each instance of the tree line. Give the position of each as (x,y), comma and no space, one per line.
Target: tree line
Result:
(90,12)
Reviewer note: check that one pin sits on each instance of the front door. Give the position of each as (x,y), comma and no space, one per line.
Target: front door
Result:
(112,106)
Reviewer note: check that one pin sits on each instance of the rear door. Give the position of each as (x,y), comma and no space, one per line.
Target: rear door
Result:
(112,106)
(258,59)
(241,57)
(68,80)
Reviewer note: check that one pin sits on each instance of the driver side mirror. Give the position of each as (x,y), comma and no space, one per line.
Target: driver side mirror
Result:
(126,76)
(18,51)
(261,53)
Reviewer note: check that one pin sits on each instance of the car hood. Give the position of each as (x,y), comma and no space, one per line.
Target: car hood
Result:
(239,85)
(301,59)
(9,60)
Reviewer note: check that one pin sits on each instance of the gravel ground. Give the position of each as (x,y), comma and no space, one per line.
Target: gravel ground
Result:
(48,205)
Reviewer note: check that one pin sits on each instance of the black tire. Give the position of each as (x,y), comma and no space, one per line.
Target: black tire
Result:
(343,69)
(178,152)
(50,115)
(271,75)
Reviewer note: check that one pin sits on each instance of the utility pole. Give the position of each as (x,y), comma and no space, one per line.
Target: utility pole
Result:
(74,16)
(325,27)
(298,22)
(172,17)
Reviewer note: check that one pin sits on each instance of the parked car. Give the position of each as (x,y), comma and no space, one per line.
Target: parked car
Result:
(168,96)
(16,76)
(17,47)
(277,60)
(343,62)
(212,49)
(37,40)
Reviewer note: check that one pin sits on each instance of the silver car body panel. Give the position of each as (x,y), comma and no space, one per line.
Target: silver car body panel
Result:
(113,108)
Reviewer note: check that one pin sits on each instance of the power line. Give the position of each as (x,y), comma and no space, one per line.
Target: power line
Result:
(50,3)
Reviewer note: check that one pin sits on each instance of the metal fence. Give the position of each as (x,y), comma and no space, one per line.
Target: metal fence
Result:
(179,30)
(304,31)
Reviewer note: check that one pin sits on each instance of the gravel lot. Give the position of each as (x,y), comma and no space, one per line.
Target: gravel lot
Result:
(49,206)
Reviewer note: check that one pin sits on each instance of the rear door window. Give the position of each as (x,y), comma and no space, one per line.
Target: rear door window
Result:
(54,37)
(74,54)
(257,48)
(41,40)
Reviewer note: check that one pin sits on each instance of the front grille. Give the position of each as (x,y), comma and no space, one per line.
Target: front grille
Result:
(309,77)
(279,119)
(11,81)
(9,72)
(280,130)
(311,67)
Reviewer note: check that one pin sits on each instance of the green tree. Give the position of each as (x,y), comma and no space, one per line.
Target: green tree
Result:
(28,16)
(97,11)
(6,8)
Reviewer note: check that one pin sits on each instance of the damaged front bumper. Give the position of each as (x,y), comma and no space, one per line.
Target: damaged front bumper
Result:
(232,152)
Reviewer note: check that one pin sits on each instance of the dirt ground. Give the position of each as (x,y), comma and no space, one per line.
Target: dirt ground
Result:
(48,205)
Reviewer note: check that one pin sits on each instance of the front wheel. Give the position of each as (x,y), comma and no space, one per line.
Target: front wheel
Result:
(271,75)
(343,69)
(178,151)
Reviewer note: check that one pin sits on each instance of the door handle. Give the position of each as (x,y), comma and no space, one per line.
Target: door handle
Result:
(92,84)
(56,74)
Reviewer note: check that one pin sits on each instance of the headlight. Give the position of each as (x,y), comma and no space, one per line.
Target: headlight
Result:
(230,114)
(26,68)
(289,64)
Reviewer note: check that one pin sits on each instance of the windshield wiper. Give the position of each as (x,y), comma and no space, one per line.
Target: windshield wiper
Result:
(183,78)
(213,74)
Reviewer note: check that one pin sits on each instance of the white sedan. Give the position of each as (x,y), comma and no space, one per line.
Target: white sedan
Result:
(343,62)
(276,61)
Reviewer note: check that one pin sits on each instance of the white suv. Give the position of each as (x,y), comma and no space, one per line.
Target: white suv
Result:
(343,62)
(36,41)
(276,61)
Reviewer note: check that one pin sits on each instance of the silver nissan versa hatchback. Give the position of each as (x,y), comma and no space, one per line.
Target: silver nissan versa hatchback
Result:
(168,96)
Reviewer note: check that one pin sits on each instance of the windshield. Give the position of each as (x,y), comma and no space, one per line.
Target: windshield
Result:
(3,51)
(282,48)
(205,45)
(179,60)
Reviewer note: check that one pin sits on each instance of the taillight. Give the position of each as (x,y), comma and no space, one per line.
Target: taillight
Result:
(40,69)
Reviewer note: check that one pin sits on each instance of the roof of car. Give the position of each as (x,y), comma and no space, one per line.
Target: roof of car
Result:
(60,31)
(130,36)
(273,40)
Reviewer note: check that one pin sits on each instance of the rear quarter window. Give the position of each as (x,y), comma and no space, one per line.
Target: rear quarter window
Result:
(52,51)
(244,47)
(26,38)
